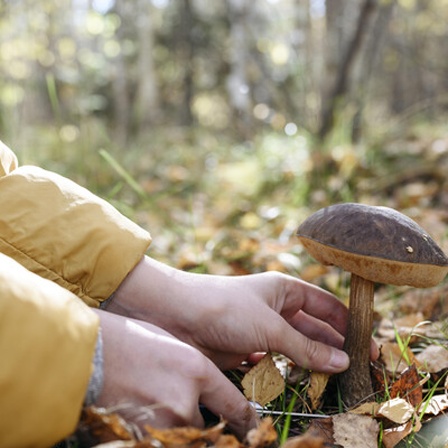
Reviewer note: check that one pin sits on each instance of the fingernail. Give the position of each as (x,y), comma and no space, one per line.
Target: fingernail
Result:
(339,360)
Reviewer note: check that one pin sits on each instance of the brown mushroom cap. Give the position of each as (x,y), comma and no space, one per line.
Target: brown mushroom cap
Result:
(376,243)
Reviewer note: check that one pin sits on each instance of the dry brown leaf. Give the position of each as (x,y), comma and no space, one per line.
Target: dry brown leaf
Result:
(227,441)
(433,358)
(354,431)
(187,436)
(105,426)
(322,428)
(397,410)
(430,302)
(408,386)
(265,434)
(264,382)
(394,359)
(392,436)
(305,441)
(380,376)
(407,326)
(370,409)
(318,383)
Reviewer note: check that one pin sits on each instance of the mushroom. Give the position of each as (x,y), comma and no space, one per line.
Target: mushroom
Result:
(375,244)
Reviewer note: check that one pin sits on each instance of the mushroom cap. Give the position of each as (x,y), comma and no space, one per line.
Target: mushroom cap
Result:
(376,243)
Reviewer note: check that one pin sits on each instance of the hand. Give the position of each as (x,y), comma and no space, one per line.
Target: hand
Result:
(153,378)
(229,318)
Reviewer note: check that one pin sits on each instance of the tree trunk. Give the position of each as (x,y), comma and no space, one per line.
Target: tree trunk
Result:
(146,109)
(340,87)
(120,87)
(186,60)
(374,47)
(237,84)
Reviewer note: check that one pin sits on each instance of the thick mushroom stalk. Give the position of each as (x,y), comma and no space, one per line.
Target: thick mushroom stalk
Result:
(375,244)
(356,383)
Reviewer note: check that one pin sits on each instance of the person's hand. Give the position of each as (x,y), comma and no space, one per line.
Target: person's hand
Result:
(151,377)
(228,318)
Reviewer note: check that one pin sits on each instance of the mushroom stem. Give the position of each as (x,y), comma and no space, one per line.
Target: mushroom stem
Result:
(356,383)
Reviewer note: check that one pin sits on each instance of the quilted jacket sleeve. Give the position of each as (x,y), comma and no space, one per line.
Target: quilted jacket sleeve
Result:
(52,227)
(62,232)
(47,341)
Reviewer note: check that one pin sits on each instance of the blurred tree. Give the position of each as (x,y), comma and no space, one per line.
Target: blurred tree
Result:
(233,67)
(147,101)
(369,64)
(122,115)
(185,43)
(238,86)
(347,61)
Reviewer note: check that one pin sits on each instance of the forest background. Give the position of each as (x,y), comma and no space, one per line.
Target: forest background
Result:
(199,119)
(220,126)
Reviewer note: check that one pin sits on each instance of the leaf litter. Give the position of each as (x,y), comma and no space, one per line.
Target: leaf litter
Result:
(244,236)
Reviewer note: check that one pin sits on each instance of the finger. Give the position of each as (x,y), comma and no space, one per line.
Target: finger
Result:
(171,415)
(223,399)
(255,358)
(322,332)
(305,352)
(319,303)
(317,330)
(326,307)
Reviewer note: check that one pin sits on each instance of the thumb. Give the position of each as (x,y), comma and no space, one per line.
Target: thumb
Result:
(306,352)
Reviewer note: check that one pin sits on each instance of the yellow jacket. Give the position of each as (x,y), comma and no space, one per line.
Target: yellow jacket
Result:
(56,229)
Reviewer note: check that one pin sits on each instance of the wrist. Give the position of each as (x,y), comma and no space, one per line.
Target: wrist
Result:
(145,292)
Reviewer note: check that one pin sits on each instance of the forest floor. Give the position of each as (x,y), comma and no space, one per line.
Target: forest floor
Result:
(236,210)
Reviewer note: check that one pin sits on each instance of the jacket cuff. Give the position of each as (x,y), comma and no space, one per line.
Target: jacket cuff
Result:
(97,377)
(62,232)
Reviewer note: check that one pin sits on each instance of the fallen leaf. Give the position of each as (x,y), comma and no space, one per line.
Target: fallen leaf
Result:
(264,382)
(265,434)
(187,436)
(392,436)
(354,431)
(396,360)
(322,428)
(370,408)
(380,377)
(408,386)
(433,358)
(318,383)
(103,426)
(430,302)
(435,405)
(397,410)
(407,327)
(410,320)
(305,441)
(227,441)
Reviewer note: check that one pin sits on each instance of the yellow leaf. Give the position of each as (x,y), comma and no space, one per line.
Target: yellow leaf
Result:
(318,383)
(264,382)
(370,408)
